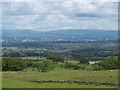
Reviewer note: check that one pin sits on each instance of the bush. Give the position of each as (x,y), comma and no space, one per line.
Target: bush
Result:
(11,64)
(84,60)
(93,67)
(71,66)
(97,67)
(45,66)
(56,58)
(109,64)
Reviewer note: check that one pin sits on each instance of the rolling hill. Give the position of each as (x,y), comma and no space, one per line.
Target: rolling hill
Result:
(62,34)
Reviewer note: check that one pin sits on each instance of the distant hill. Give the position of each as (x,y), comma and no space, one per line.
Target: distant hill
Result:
(62,34)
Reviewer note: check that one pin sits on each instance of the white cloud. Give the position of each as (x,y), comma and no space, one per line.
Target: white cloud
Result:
(68,1)
(60,15)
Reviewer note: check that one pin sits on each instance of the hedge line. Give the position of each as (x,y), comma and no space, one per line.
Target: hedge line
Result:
(76,81)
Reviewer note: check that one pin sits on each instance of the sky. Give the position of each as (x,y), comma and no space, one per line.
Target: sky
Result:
(52,15)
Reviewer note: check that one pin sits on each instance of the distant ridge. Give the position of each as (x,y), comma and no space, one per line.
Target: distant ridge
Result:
(75,33)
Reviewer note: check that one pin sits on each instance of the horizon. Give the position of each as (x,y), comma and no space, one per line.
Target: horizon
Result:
(60,30)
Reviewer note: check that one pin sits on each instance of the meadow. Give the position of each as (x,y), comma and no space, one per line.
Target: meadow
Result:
(22,79)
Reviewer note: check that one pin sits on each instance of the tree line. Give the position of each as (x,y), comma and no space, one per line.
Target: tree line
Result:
(13,64)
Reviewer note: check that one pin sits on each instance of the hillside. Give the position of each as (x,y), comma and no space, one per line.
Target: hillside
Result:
(62,34)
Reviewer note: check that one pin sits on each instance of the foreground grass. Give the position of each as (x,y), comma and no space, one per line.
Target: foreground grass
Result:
(8,83)
(24,79)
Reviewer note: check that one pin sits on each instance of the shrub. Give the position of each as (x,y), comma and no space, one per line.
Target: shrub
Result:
(93,67)
(84,60)
(71,66)
(45,66)
(109,64)
(11,64)
(56,58)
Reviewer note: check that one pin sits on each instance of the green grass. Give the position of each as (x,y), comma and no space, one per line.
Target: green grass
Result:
(8,83)
(25,78)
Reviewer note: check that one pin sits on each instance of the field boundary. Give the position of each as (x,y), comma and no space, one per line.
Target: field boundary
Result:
(75,81)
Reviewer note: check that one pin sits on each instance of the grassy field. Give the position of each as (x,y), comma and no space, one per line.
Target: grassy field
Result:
(9,83)
(24,79)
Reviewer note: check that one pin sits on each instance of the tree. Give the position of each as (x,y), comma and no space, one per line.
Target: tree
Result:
(11,64)
(110,63)
(71,66)
(56,58)
(84,61)
(46,66)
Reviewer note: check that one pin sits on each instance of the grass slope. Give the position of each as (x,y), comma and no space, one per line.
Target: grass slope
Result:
(8,83)
(23,79)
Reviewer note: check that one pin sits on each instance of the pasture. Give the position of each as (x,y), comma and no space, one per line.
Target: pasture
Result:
(24,79)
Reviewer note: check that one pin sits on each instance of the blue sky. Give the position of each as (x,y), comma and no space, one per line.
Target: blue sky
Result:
(45,16)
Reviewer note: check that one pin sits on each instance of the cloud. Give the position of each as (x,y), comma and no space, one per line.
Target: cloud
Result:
(59,15)
(60,1)
(14,9)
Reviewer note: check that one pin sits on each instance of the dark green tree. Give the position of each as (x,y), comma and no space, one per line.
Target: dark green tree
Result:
(11,64)
(45,66)
(56,58)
